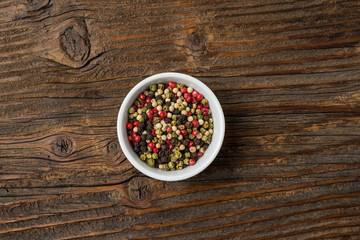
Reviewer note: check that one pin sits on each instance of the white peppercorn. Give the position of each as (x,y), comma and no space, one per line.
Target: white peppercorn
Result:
(190,90)
(135,129)
(201,122)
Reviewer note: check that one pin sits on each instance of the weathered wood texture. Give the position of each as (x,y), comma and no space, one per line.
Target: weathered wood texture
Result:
(287,73)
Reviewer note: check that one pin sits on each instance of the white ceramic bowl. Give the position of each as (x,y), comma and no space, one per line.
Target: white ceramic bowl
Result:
(210,153)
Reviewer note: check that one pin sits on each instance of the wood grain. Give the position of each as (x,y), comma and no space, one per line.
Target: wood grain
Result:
(287,73)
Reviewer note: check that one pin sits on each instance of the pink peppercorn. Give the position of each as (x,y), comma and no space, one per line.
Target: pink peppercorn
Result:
(191,161)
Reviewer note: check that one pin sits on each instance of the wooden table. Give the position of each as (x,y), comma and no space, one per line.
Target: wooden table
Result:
(287,73)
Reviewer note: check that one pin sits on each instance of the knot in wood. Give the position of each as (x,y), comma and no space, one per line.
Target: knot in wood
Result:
(197,42)
(140,189)
(112,148)
(76,46)
(62,146)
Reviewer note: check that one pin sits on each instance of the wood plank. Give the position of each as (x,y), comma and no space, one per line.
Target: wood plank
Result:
(286,73)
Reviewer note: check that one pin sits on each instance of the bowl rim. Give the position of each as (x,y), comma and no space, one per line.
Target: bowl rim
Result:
(136,162)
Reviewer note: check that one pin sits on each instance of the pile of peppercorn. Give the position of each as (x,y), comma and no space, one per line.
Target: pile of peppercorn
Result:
(170,126)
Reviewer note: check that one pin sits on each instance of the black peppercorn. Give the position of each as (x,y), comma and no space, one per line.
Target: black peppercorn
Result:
(205,146)
(163,160)
(173,141)
(143,137)
(143,149)
(158,97)
(151,95)
(197,141)
(129,132)
(194,155)
(143,143)
(177,111)
(167,120)
(188,125)
(149,136)
(156,115)
(206,118)
(148,105)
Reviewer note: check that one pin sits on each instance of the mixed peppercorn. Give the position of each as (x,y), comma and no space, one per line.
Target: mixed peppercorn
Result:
(170,126)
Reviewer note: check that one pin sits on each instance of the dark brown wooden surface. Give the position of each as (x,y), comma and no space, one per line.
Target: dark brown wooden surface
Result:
(287,73)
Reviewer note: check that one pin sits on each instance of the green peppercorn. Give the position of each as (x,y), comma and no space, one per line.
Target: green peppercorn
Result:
(180,165)
(153,88)
(173,158)
(164,167)
(159,102)
(144,109)
(155,140)
(148,155)
(161,86)
(199,117)
(181,107)
(195,117)
(141,119)
(206,124)
(187,154)
(171,95)
(186,161)
(131,110)
(155,156)
(158,132)
(167,95)
(204,138)
(156,120)
(165,108)
(180,86)
(173,122)
(198,112)
(202,130)
(178,155)
(178,143)
(189,130)
(150,162)
(211,126)
(171,166)
(191,136)
(143,157)
(204,101)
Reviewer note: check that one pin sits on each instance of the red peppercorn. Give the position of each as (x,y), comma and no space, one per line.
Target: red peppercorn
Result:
(168,130)
(171,146)
(206,105)
(153,132)
(150,115)
(191,161)
(199,106)
(172,85)
(199,154)
(137,138)
(155,150)
(142,97)
(151,145)
(140,106)
(183,132)
(194,132)
(134,107)
(162,114)
(154,110)
(183,90)
(136,123)
(193,100)
(186,95)
(134,134)
(129,126)
(199,97)
(167,141)
(148,100)
(130,138)
(188,99)
(194,93)
(195,123)
(191,144)
(205,111)
(189,114)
